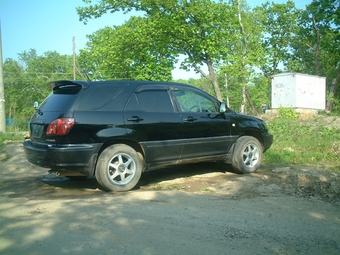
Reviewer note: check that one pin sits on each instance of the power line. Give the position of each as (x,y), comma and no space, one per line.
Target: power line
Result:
(35,73)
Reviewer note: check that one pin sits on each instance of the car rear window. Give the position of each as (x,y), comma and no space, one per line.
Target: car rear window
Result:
(61,98)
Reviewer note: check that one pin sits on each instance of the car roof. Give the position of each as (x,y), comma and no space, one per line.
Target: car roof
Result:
(86,84)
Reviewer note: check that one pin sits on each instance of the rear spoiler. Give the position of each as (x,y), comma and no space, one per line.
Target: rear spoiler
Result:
(53,84)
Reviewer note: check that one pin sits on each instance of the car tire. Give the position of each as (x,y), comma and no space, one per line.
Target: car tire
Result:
(247,155)
(119,168)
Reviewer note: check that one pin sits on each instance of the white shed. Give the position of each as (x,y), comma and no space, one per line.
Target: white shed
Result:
(299,91)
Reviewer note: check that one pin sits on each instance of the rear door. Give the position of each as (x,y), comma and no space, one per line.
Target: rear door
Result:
(152,120)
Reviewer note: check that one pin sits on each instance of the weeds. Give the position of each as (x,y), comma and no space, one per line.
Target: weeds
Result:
(10,137)
(5,139)
(287,113)
(304,142)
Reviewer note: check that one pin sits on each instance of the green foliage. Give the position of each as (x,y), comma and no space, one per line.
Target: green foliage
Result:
(316,49)
(234,91)
(201,30)
(244,54)
(10,137)
(287,113)
(279,26)
(25,82)
(222,36)
(110,54)
(259,91)
(5,139)
(304,141)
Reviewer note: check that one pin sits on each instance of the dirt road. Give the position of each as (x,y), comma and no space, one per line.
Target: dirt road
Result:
(195,209)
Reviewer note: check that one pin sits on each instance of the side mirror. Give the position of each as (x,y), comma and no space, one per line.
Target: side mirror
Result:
(223,108)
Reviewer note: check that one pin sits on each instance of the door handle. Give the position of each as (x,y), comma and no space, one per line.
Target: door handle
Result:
(135,119)
(190,119)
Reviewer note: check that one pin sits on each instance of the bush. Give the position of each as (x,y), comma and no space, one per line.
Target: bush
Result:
(287,113)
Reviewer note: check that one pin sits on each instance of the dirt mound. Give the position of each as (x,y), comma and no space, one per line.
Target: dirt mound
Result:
(308,182)
(269,180)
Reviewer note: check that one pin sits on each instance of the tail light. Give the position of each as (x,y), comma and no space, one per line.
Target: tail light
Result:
(60,126)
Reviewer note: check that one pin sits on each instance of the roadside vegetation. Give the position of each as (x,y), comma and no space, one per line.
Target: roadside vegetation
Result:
(5,139)
(304,139)
(10,137)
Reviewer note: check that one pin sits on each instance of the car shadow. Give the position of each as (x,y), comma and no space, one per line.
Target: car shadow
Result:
(183,171)
(57,187)
(150,177)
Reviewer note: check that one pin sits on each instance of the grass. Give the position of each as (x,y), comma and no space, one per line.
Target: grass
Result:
(309,141)
(10,137)
(5,139)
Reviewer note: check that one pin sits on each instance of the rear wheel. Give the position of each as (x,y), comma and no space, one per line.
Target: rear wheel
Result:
(119,168)
(247,155)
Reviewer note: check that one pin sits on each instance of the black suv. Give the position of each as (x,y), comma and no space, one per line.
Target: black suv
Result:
(115,130)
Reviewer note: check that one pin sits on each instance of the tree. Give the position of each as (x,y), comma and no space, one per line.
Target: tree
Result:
(13,81)
(200,30)
(260,91)
(50,66)
(316,47)
(246,54)
(126,52)
(39,70)
(25,81)
(279,27)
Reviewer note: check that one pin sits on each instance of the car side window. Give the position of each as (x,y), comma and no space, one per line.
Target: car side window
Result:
(190,101)
(150,101)
(98,96)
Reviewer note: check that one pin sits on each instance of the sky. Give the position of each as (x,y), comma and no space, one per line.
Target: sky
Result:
(50,25)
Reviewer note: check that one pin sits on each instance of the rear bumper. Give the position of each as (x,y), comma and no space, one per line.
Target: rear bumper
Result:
(72,157)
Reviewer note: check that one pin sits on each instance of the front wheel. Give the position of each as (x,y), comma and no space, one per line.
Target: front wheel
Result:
(247,155)
(119,168)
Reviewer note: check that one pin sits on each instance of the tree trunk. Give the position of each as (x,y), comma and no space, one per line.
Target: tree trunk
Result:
(317,47)
(243,105)
(244,56)
(213,79)
(336,82)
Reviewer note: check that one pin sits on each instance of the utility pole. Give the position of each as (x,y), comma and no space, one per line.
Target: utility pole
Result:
(2,92)
(75,69)
(74,57)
